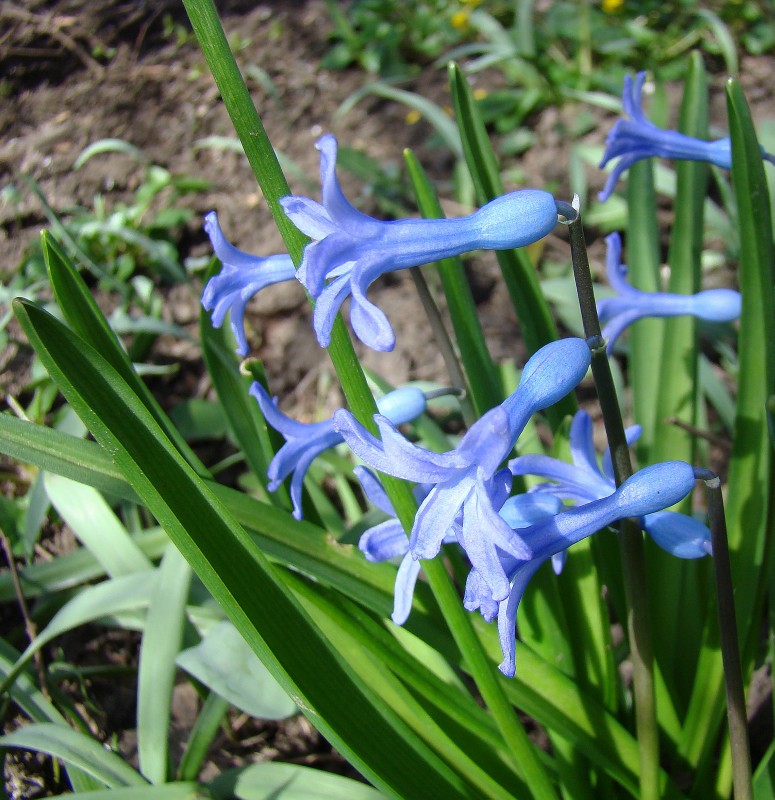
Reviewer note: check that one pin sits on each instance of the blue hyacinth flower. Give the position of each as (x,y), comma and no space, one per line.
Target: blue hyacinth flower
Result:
(465,478)
(305,441)
(636,138)
(350,249)
(388,540)
(648,491)
(584,481)
(241,277)
(617,313)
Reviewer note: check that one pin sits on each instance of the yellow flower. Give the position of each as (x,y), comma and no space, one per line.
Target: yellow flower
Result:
(480,94)
(612,6)
(412,117)
(459,19)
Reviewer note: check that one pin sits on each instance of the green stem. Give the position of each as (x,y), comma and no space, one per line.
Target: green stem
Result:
(631,539)
(487,681)
(730,651)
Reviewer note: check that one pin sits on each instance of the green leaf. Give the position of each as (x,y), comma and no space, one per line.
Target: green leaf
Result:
(676,583)
(76,749)
(162,639)
(643,262)
(242,411)
(62,454)
(519,274)
(86,319)
(114,596)
(235,572)
(96,526)
(750,482)
(276,781)
(224,663)
(189,790)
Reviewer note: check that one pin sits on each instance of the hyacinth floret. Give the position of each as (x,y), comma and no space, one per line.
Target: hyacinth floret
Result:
(635,137)
(617,313)
(646,492)
(464,478)
(351,249)
(241,277)
(584,481)
(305,441)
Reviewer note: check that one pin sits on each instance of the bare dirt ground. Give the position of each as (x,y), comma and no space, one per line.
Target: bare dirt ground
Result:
(60,93)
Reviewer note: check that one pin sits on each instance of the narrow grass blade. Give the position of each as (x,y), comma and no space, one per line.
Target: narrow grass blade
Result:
(77,749)
(161,643)
(519,274)
(236,573)
(204,731)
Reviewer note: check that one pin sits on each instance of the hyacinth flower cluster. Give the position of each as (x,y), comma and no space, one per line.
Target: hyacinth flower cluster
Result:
(635,137)
(463,494)
(618,313)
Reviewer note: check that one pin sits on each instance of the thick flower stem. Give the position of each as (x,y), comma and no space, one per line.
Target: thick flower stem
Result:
(522,750)
(632,553)
(730,651)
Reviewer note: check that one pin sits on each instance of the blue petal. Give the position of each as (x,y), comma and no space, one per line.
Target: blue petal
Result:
(384,541)
(406,578)
(507,615)
(680,535)
(241,277)
(717,305)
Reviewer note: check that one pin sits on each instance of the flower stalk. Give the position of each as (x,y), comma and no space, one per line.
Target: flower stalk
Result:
(632,551)
(730,650)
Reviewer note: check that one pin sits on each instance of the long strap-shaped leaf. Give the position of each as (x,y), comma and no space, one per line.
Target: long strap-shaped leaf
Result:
(750,507)
(387,751)
(541,690)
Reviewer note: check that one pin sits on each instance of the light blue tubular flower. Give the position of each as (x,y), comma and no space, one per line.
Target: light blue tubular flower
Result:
(350,249)
(646,492)
(242,277)
(305,441)
(464,478)
(636,138)
(617,313)
(584,481)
